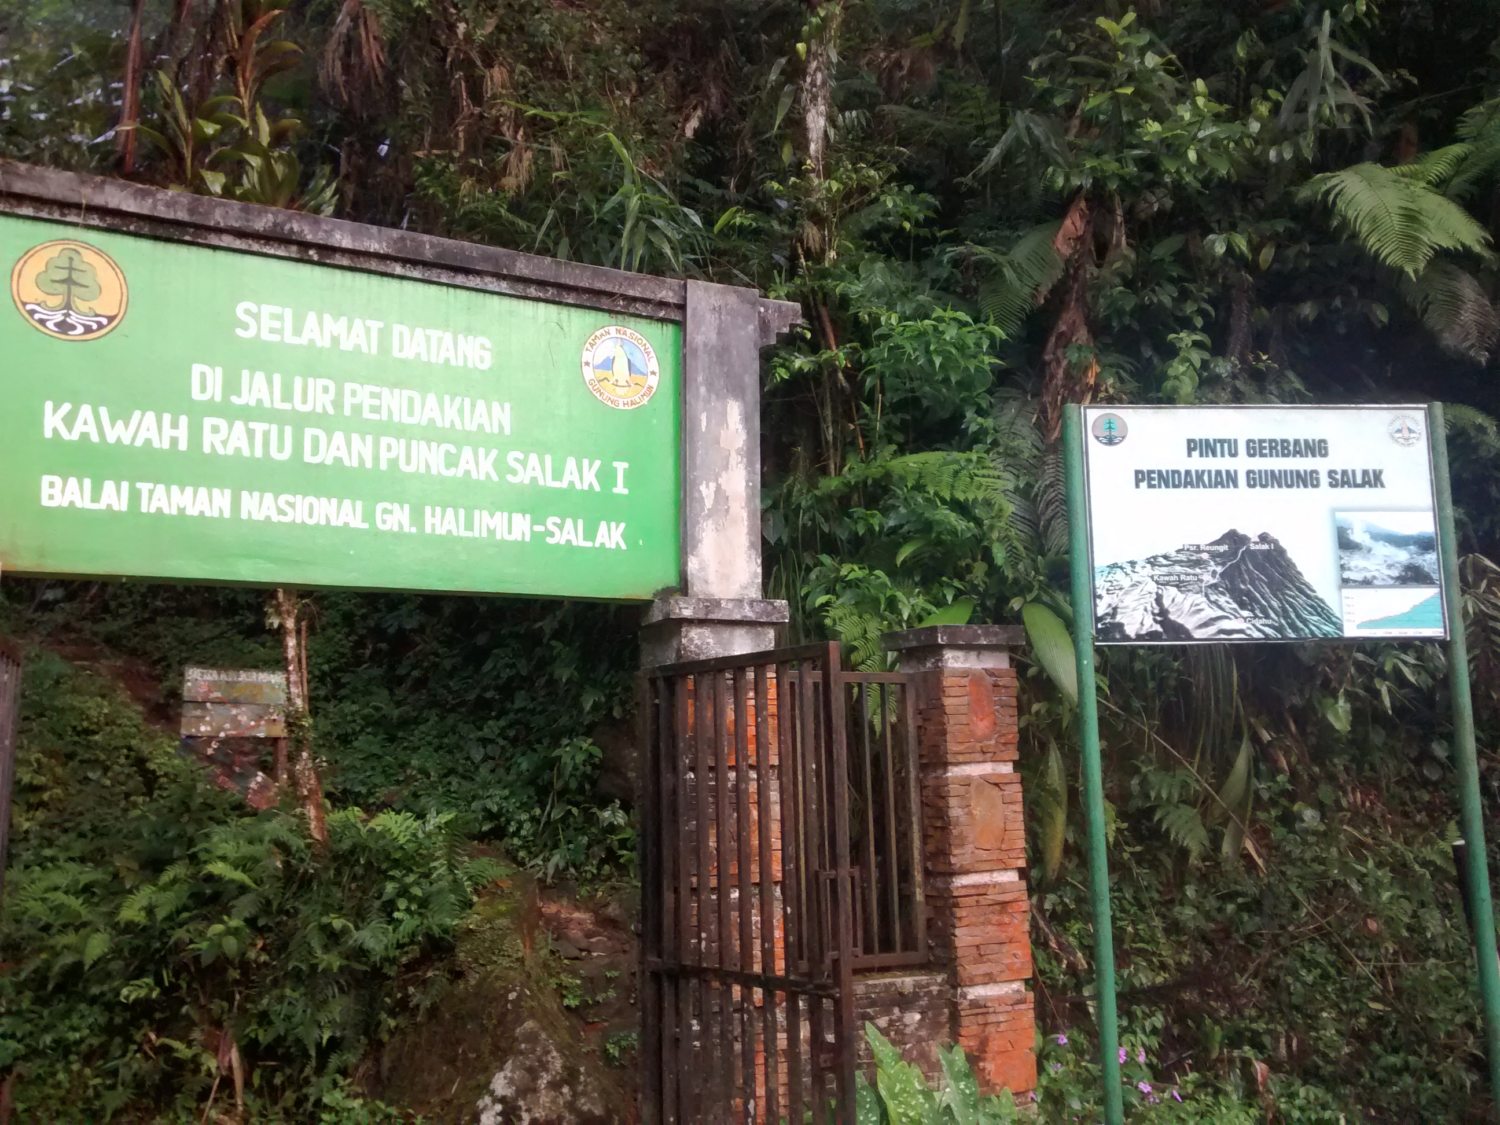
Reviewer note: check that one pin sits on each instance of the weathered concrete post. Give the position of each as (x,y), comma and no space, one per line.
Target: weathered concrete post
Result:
(975,841)
(720,610)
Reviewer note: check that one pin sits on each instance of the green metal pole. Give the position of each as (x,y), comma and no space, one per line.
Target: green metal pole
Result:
(1476,869)
(1093,774)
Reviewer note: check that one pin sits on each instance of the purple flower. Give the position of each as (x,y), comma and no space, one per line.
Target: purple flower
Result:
(1143,1086)
(1124,1054)
(1176,1095)
(1054,1067)
(1062,1040)
(1140,1055)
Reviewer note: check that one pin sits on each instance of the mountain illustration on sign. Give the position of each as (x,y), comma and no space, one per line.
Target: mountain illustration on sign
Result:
(1234,588)
(73,281)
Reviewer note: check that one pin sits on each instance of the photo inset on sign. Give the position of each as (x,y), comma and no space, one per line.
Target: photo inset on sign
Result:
(1387,548)
(1388,568)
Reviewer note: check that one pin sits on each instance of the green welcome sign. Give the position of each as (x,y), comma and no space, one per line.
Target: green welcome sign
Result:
(176,411)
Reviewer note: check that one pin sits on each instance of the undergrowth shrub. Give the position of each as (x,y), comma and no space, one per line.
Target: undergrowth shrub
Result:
(165,946)
(497,711)
(1068,1090)
(1335,985)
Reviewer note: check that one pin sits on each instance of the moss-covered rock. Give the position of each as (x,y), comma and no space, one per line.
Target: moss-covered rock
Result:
(496,1046)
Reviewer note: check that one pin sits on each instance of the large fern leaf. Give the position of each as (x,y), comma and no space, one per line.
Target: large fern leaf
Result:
(1399,220)
(1456,307)
(1020,278)
(1437,167)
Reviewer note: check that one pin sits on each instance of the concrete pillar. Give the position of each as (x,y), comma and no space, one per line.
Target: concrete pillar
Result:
(718,610)
(975,841)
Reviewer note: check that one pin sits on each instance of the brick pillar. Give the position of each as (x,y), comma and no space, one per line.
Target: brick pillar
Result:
(975,841)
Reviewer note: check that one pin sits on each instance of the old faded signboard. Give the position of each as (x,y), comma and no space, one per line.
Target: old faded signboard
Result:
(1249,523)
(179,411)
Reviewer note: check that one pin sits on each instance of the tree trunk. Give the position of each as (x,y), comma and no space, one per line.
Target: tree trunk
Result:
(130,97)
(288,610)
(817,82)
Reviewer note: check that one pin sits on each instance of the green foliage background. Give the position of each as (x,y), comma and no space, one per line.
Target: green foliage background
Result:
(986,209)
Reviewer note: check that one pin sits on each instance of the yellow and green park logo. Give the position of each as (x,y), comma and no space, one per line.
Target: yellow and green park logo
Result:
(620,367)
(69,290)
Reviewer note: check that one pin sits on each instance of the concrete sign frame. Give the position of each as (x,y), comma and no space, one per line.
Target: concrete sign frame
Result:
(723,327)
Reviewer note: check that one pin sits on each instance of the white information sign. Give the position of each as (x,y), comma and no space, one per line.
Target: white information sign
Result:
(1261,523)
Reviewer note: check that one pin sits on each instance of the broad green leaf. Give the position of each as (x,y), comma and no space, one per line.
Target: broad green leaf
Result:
(1234,836)
(961,1098)
(1337,711)
(866,1103)
(1053,646)
(1053,808)
(909,548)
(1232,794)
(958,613)
(783,104)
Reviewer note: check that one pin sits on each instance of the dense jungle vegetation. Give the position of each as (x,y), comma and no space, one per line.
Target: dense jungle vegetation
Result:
(987,209)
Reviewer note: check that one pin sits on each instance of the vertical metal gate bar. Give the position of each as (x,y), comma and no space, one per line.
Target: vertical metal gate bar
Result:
(766,869)
(722,869)
(791,884)
(681,748)
(910,760)
(892,827)
(668,895)
(843,997)
(869,877)
(813,872)
(653,889)
(744,896)
(703,1033)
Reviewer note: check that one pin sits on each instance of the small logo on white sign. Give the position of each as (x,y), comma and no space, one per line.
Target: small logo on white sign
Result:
(1405,430)
(1109,429)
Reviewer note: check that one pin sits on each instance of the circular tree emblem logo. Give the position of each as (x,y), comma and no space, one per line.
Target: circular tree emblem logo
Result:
(620,367)
(69,290)
(1109,429)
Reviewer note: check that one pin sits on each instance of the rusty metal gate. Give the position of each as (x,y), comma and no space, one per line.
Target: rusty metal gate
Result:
(10,705)
(747,924)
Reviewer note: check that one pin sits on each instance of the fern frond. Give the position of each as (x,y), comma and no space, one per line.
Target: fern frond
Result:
(1052,504)
(942,474)
(1437,167)
(1480,167)
(1020,278)
(1480,121)
(1184,827)
(1398,220)
(1455,306)
(1475,425)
